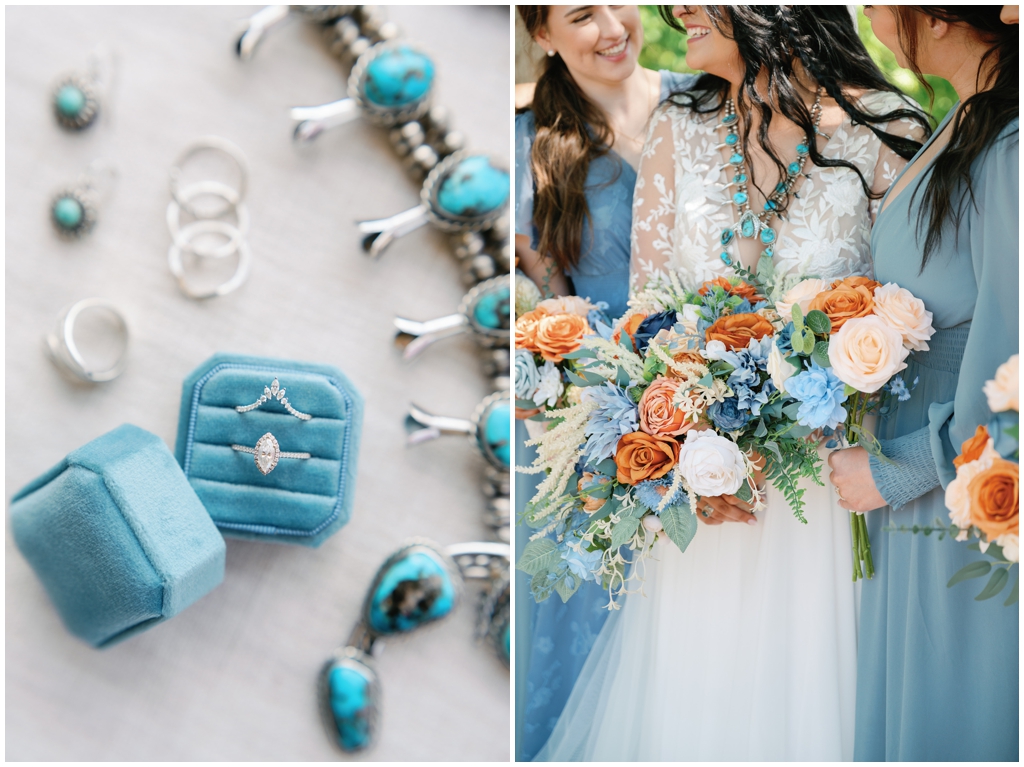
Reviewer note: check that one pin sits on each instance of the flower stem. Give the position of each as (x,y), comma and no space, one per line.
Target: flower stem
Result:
(855,535)
(869,565)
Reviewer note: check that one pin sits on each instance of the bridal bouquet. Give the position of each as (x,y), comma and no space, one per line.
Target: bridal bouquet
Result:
(983,500)
(839,357)
(545,332)
(669,406)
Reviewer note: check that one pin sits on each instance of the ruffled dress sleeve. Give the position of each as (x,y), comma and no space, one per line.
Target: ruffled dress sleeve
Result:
(922,460)
(525,133)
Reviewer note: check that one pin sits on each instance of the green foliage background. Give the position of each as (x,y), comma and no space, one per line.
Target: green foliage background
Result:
(664,48)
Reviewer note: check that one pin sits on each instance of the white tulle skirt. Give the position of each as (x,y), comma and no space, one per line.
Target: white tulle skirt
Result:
(743,648)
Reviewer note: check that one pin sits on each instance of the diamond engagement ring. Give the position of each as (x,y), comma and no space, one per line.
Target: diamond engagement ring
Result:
(274,391)
(267,453)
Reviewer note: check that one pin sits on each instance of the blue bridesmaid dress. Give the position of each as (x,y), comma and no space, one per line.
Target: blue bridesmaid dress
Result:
(937,670)
(553,639)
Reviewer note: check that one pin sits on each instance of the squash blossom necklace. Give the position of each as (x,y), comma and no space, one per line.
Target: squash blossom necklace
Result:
(752,224)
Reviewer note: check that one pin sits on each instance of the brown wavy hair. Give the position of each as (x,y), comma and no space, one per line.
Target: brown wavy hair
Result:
(980,119)
(571,132)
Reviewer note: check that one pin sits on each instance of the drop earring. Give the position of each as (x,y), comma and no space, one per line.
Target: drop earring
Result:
(73,209)
(77,96)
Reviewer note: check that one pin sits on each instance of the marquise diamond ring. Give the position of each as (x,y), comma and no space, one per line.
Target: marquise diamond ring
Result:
(267,453)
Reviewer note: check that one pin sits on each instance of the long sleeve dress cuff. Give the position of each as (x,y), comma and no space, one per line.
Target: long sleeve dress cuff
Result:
(912,471)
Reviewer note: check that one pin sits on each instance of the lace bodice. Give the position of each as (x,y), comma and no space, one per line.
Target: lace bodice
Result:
(681,203)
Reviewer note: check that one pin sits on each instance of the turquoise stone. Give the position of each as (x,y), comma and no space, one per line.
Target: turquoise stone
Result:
(474,188)
(352,702)
(729,119)
(802,149)
(767,236)
(493,310)
(771,205)
(739,178)
(747,226)
(736,159)
(398,77)
(497,432)
(731,139)
(794,168)
(506,643)
(739,198)
(780,188)
(725,259)
(727,235)
(414,590)
(70,100)
(68,212)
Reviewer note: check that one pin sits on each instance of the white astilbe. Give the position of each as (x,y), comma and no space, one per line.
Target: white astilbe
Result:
(688,372)
(558,450)
(614,355)
(677,483)
(717,392)
(662,291)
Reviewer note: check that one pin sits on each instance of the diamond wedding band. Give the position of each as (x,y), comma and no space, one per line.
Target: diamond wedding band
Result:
(274,391)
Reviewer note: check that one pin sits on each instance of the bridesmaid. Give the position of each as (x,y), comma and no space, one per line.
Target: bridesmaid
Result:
(577,149)
(937,671)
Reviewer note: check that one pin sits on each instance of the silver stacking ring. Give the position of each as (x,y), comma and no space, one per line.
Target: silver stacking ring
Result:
(274,391)
(177,266)
(216,144)
(64,351)
(235,234)
(267,453)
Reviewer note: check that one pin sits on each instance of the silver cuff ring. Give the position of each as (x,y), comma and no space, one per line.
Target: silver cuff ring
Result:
(274,391)
(65,353)
(216,144)
(205,226)
(235,234)
(267,453)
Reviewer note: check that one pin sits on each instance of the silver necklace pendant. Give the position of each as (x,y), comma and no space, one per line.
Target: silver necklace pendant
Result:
(489,428)
(485,311)
(465,192)
(390,84)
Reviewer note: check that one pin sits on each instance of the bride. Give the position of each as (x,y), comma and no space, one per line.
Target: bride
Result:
(744,647)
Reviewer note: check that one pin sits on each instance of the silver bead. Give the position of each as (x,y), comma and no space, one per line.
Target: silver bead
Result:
(413,133)
(503,257)
(437,119)
(498,483)
(479,268)
(346,31)
(359,46)
(451,142)
(501,383)
(467,244)
(372,17)
(421,160)
(496,362)
(388,31)
(499,230)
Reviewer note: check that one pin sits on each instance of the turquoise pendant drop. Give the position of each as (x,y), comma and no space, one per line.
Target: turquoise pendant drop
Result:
(473,188)
(350,699)
(748,225)
(416,586)
(398,77)
(767,235)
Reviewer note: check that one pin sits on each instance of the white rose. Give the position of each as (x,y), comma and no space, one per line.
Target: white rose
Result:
(550,387)
(866,352)
(898,307)
(1010,545)
(711,464)
(779,368)
(714,350)
(691,313)
(958,499)
(567,305)
(802,293)
(1002,391)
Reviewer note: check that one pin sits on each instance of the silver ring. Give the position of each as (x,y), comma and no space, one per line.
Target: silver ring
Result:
(174,260)
(205,188)
(64,352)
(267,453)
(216,144)
(274,391)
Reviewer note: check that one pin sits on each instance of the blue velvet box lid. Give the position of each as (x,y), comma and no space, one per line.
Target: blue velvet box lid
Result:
(300,501)
(117,537)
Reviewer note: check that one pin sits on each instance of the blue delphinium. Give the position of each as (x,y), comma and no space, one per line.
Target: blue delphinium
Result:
(898,388)
(651,326)
(615,416)
(647,492)
(581,563)
(821,396)
(727,416)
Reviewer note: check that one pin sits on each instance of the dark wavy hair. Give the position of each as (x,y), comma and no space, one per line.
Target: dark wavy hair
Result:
(979,120)
(772,38)
(571,133)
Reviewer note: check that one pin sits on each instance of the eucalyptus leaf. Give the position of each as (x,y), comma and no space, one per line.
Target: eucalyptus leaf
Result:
(526,404)
(600,491)
(1014,593)
(580,354)
(820,354)
(773,448)
(541,586)
(680,524)
(621,377)
(539,556)
(624,531)
(612,505)
(625,341)
(566,586)
(765,268)
(608,467)
(973,570)
(798,319)
(818,322)
(995,584)
(792,410)
(706,381)
(761,430)
(745,494)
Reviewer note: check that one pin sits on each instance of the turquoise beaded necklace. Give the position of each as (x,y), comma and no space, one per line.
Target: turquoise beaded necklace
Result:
(752,224)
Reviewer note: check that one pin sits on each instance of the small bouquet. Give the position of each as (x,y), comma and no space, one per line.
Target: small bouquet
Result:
(983,500)
(839,358)
(545,331)
(667,407)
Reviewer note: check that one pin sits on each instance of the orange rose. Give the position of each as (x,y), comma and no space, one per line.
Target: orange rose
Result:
(685,356)
(657,413)
(742,289)
(994,499)
(844,303)
(559,334)
(972,448)
(644,456)
(736,330)
(630,326)
(526,329)
(854,281)
(591,504)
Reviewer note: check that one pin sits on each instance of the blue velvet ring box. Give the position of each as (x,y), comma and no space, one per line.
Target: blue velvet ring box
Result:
(117,537)
(301,500)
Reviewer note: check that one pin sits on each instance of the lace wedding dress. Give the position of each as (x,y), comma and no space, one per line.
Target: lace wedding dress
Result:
(744,647)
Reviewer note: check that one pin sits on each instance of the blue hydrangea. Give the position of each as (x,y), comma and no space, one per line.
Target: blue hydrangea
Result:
(784,339)
(748,399)
(651,326)
(615,416)
(820,394)
(646,492)
(582,563)
(727,416)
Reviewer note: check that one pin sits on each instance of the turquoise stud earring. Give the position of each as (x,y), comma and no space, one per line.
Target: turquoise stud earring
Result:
(73,209)
(75,102)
